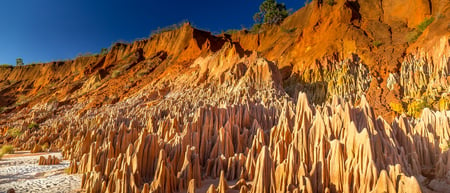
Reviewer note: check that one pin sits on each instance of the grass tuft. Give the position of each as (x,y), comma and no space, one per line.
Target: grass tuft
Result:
(7,149)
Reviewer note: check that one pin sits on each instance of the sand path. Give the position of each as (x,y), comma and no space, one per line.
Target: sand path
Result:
(21,172)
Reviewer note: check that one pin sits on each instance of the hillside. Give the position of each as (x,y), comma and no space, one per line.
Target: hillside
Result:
(349,96)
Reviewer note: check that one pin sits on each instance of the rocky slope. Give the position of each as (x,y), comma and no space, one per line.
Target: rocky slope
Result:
(287,109)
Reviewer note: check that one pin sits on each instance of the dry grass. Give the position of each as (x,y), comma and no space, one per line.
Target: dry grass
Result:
(6,149)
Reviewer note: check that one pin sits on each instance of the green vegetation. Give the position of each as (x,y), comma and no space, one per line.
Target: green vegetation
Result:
(271,12)
(142,73)
(422,26)
(97,85)
(67,170)
(168,28)
(231,31)
(397,107)
(377,43)
(414,35)
(307,2)
(255,28)
(5,65)
(447,147)
(104,51)
(331,2)
(21,99)
(33,125)
(19,62)
(415,107)
(14,132)
(116,73)
(45,147)
(6,149)
(444,103)
(9,82)
(288,30)
(87,54)
(448,144)
(52,100)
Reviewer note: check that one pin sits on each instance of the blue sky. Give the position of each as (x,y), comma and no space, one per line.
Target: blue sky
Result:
(47,30)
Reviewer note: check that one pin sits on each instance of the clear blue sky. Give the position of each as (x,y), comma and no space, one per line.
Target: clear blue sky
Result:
(47,30)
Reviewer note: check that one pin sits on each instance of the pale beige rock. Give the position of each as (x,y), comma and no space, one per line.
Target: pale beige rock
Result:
(191,187)
(264,174)
(223,186)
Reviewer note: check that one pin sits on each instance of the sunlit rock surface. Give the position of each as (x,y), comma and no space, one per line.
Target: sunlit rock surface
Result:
(312,105)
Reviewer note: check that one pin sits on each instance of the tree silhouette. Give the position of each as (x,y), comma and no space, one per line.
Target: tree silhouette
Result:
(19,62)
(271,12)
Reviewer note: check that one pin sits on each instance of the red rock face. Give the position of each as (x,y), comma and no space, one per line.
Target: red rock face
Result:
(313,109)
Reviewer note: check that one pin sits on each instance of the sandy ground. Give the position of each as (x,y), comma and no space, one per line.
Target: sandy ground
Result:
(21,172)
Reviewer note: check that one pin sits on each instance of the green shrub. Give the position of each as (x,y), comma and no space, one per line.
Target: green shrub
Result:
(377,43)
(255,28)
(271,12)
(414,35)
(14,132)
(7,149)
(415,107)
(116,73)
(5,65)
(104,51)
(397,107)
(33,125)
(331,2)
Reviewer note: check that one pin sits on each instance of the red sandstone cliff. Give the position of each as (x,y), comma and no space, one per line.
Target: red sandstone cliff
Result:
(286,109)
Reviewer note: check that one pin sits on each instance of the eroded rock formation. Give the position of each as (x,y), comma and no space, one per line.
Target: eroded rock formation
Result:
(51,160)
(275,111)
